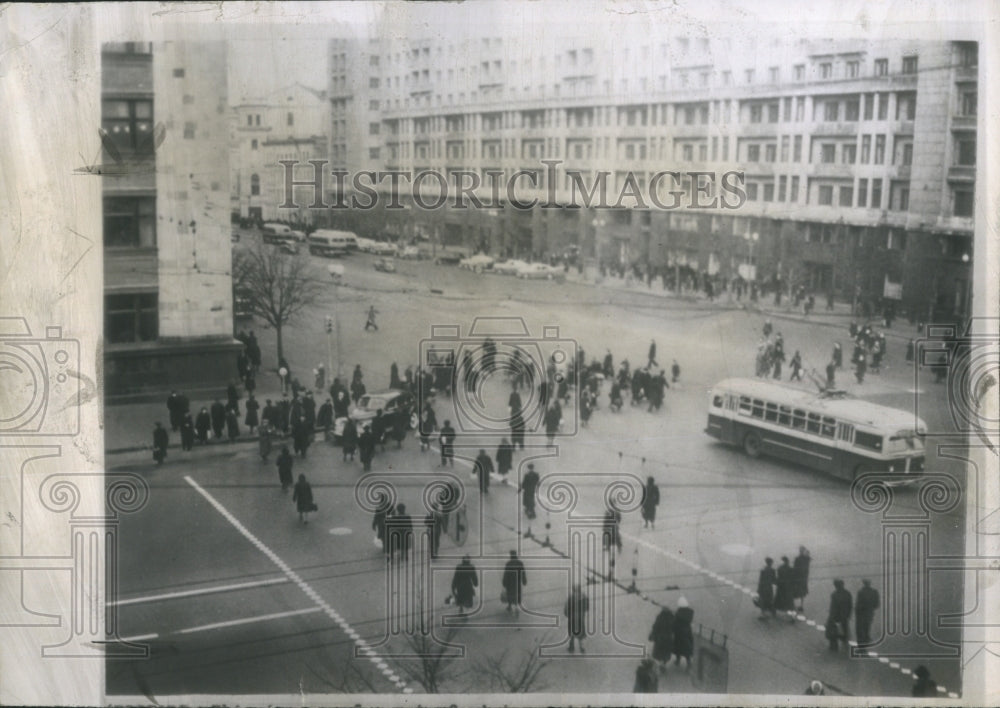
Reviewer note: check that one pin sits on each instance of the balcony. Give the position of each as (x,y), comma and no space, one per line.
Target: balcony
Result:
(962,173)
(833,169)
(836,128)
(959,122)
(748,130)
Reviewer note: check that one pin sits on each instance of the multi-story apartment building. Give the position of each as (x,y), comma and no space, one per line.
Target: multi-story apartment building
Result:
(167,253)
(289,124)
(858,157)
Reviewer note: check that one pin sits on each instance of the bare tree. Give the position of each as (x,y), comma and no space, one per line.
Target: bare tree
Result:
(432,663)
(277,286)
(515,676)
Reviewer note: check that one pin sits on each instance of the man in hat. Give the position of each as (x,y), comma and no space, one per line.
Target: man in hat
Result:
(528,487)
(840,614)
(864,611)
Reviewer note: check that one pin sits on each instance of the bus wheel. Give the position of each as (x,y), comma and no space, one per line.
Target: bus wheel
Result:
(751,444)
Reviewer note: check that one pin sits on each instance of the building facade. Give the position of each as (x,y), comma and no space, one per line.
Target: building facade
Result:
(289,124)
(857,159)
(167,253)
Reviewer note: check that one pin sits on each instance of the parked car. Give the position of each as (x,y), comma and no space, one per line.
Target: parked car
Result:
(297,235)
(365,245)
(452,256)
(385,265)
(408,252)
(477,263)
(511,267)
(540,271)
(289,247)
(399,409)
(383,248)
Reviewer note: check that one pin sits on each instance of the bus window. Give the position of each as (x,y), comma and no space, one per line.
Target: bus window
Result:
(785,415)
(771,412)
(868,440)
(829,427)
(799,419)
(717,401)
(845,431)
(745,405)
(758,408)
(813,426)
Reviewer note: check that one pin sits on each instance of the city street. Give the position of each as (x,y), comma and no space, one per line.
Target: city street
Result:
(240,598)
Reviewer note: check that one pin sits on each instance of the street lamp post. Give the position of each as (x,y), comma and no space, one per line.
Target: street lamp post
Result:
(598,223)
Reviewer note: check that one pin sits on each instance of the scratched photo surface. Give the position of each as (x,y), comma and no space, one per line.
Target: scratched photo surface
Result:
(356,353)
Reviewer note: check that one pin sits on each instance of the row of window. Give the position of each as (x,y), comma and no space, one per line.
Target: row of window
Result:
(803,421)
(131,317)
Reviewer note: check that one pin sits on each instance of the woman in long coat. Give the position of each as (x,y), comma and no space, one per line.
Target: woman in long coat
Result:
(366,448)
(785,587)
(252,419)
(662,636)
(463,584)
(800,587)
(303,498)
(349,439)
(683,634)
(505,457)
(265,441)
(650,500)
(160,442)
(284,465)
(232,425)
(765,588)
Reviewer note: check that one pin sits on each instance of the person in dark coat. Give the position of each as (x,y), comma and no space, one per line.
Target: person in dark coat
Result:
(838,355)
(324,417)
(675,372)
(528,487)
(382,512)
(400,528)
(284,464)
(252,420)
(349,439)
(264,440)
(864,612)
(366,447)
(301,437)
(232,398)
(800,588)
(650,500)
(514,577)
(378,424)
(428,424)
(765,588)
(187,433)
(505,459)
(662,637)
(484,468)
(923,686)
(831,369)
(434,525)
(910,349)
(394,380)
(610,534)
(517,430)
(837,623)
(160,441)
(447,441)
(218,418)
(341,403)
(652,354)
(861,368)
(303,498)
(785,582)
(309,411)
(284,414)
(463,584)
(575,611)
(232,425)
(553,416)
(174,410)
(202,424)
(645,678)
(683,634)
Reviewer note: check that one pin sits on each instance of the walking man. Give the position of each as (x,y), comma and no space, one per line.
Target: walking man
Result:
(484,468)
(765,589)
(864,611)
(447,440)
(650,500)
(800,568)
(840,615)
(528,487)
(514,577)
(160,441)
(577,606)
(370,324)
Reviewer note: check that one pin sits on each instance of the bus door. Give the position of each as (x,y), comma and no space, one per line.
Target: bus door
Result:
(845,441)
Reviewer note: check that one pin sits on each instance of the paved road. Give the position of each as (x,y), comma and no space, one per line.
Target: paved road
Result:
(257,603)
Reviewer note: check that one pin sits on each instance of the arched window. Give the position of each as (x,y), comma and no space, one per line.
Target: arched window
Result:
(255,184)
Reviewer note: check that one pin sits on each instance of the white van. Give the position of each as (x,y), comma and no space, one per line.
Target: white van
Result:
(329,242)
(276,233)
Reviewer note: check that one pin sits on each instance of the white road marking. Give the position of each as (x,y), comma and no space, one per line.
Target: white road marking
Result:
(248,620)
(284,567)
(201,591)
(141,637)
(341,531)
